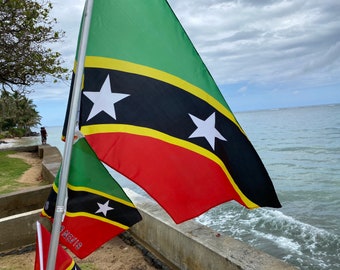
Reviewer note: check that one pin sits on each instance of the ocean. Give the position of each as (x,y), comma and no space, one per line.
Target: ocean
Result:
(300,148)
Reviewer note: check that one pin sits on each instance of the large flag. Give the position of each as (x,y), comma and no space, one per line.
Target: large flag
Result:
(97,207)
(151,110)
(63,261)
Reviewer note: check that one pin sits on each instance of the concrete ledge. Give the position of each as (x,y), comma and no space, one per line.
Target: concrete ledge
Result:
(23,200)
(20,210)
(191,245)
(51,159)
(20,230)
(33,148)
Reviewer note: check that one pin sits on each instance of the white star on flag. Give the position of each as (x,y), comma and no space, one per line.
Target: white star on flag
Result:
(104,100)
(206,128)
(103,208)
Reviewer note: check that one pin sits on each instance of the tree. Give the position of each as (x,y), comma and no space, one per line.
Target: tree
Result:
(17,113)
(6,113)
(25,29)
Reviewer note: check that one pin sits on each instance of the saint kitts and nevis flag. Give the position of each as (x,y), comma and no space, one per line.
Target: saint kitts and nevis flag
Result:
(63,261)
(151,110)
(97,207)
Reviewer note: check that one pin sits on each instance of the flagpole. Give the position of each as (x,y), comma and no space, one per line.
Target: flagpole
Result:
(60,208)
(40,246)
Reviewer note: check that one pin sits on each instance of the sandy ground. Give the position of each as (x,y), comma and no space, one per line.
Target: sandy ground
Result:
(115,254)
(33,174)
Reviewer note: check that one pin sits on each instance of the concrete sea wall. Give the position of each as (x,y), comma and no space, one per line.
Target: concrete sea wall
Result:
(20,210)
(189,245)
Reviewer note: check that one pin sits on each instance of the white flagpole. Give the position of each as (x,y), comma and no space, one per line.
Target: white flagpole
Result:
(40,246)
(60,208)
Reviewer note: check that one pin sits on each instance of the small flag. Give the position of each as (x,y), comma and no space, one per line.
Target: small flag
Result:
(151,110)
(97,207)
(63,261)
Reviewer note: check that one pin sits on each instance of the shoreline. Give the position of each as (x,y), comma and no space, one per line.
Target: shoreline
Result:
(6,143)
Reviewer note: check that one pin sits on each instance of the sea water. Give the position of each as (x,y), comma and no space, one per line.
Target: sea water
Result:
(300,148)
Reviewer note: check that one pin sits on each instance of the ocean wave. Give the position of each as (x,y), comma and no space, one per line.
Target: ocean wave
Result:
(16,142)
(306,149)
(277,234)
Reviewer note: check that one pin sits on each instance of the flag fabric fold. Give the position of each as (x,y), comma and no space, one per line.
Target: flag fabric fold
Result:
(97,207)
(63,260)
(151,110)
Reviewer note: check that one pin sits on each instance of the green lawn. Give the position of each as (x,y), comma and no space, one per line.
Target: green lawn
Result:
(10,170)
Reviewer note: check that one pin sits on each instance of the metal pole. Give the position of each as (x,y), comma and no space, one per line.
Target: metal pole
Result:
(60,208)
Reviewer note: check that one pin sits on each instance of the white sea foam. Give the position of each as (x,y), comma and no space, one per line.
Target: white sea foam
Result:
(269,229)
(282,242)
(24,141)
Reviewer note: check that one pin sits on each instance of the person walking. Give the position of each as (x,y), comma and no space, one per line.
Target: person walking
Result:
(43,134)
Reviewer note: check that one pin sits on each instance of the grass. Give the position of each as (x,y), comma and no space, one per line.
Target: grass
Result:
(10,170)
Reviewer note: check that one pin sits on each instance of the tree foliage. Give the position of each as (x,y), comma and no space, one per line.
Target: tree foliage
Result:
(25,30)
(17,114)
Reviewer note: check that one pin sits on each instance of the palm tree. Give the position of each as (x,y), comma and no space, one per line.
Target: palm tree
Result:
(18,113)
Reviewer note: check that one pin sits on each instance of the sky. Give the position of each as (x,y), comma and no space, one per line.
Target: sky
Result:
(262,54)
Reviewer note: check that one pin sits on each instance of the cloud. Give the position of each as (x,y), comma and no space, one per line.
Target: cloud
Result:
(256,41)
(263,41)
(256,45)
(68,16)
(243,89)
(328,60)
